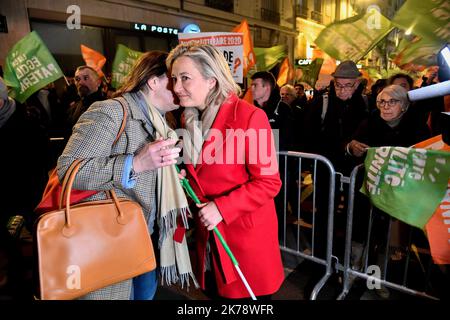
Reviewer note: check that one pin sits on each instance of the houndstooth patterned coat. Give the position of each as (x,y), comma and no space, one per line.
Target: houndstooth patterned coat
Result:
(92,140)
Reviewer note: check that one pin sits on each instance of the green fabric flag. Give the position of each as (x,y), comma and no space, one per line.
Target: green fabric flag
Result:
(122,64)
(267,58)
(310,72)
(427,19)
(406,183)
(29,66)
(353,38)
(420,51)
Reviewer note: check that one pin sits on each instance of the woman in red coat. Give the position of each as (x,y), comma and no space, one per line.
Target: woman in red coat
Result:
(231,163)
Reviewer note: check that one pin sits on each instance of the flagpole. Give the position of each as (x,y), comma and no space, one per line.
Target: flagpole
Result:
(187,187)
(67,81)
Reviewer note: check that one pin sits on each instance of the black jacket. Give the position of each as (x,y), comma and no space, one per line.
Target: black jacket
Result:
(375,132)
(280,118)
(330,136)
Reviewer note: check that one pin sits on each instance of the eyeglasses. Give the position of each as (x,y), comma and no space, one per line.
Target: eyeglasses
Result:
(347,86)
(390,103)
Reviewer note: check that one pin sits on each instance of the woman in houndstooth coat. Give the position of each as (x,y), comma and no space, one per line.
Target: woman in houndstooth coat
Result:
(130,165)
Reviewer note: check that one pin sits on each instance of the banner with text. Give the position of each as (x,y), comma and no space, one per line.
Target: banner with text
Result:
(397,178)
(437,228)
(229,43)
(353,38)
(122,64)
(30,66)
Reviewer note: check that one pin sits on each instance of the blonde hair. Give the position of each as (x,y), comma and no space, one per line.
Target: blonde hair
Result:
(290,89)
(211,64)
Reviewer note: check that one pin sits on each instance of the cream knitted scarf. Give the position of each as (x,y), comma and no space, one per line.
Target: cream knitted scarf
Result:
(198,130)
(172,208)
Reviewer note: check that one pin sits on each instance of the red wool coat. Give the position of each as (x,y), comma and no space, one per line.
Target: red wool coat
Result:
(243,191)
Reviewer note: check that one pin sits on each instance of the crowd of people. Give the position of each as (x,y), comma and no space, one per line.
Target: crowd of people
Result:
(238,198)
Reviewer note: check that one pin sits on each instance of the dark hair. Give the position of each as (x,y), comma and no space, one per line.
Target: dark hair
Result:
(150,64)
(266,76)
(404,76)
(299,85)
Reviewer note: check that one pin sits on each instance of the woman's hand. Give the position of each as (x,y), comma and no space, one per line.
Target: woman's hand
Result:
(209,215)
(156,154)
(357,148)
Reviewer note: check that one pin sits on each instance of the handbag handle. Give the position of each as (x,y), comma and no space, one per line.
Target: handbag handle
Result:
(64,183)
(110,193)
(77,161)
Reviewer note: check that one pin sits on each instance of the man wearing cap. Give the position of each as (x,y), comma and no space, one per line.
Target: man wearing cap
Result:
(331,121)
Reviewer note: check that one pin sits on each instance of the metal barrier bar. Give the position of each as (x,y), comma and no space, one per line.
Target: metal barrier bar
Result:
(347,269)
(327,260)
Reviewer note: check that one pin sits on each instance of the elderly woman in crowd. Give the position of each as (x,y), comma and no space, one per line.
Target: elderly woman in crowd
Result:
(393,124)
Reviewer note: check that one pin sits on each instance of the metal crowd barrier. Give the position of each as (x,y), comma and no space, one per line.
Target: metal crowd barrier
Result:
(380,254)
(290,240)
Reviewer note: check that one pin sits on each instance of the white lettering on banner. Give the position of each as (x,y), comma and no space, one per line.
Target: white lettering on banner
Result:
(32,72)
(229,57)
(217,40)
(374,174)
(419,160)
(18,59)
(397,166)
(445,208)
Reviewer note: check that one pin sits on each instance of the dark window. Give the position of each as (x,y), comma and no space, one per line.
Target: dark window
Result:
(301,9)
(225,5)
(270,12)
(316,14)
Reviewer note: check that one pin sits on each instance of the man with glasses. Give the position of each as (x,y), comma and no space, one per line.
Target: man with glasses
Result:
(329,125)
(331,121)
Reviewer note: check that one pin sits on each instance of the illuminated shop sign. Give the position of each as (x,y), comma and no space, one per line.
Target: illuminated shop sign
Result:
(191,28)
(154,28)
(302,62)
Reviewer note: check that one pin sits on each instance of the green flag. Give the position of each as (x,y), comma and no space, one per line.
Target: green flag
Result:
(427,19)
(419,52)
(406,183)
(431,28)
(29,66)
(267,58)
(310,72)
(353,38)
(122,64)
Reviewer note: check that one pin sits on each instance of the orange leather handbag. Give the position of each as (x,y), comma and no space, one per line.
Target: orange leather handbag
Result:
(52,190)
(90,245)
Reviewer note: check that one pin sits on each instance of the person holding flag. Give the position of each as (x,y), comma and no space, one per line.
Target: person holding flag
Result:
(236,183)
